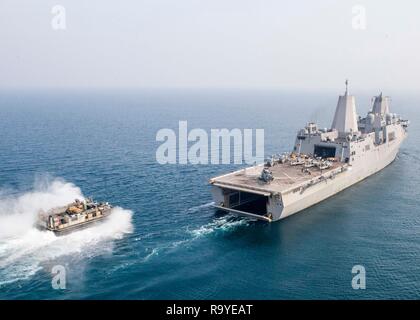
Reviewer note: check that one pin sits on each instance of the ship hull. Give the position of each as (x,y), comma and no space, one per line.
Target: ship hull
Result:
(356,173)
(79,226)
(288,203)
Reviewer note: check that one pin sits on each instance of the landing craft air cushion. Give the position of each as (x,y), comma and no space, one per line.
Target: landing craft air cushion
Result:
(323,162)
(74,216)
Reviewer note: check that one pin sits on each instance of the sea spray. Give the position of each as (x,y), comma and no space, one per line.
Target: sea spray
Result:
(18,212)
(24,249)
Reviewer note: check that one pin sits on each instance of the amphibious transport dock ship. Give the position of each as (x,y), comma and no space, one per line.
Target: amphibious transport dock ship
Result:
(74,216)
(323,162)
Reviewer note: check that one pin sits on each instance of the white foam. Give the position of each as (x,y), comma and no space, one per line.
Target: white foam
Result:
(198,208)
(24,249)
(219,224)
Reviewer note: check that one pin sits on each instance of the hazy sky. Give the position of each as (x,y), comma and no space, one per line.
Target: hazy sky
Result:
(296,44)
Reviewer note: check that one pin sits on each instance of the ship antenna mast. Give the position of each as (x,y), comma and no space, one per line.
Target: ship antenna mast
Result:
(347,86)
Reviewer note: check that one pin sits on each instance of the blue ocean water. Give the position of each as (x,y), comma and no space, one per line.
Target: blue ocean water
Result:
(165,241)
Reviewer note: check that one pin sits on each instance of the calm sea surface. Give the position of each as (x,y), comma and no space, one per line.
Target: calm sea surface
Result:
(164,240)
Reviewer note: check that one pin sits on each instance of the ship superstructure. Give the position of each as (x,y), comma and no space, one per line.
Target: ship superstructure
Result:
(322,163)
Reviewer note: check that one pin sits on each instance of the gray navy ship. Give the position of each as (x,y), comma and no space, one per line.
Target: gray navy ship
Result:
(322,163)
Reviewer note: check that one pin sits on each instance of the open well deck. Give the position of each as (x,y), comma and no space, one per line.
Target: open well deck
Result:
(286,177)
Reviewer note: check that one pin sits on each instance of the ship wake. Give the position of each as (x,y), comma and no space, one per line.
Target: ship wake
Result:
(25,250)
(221,224)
